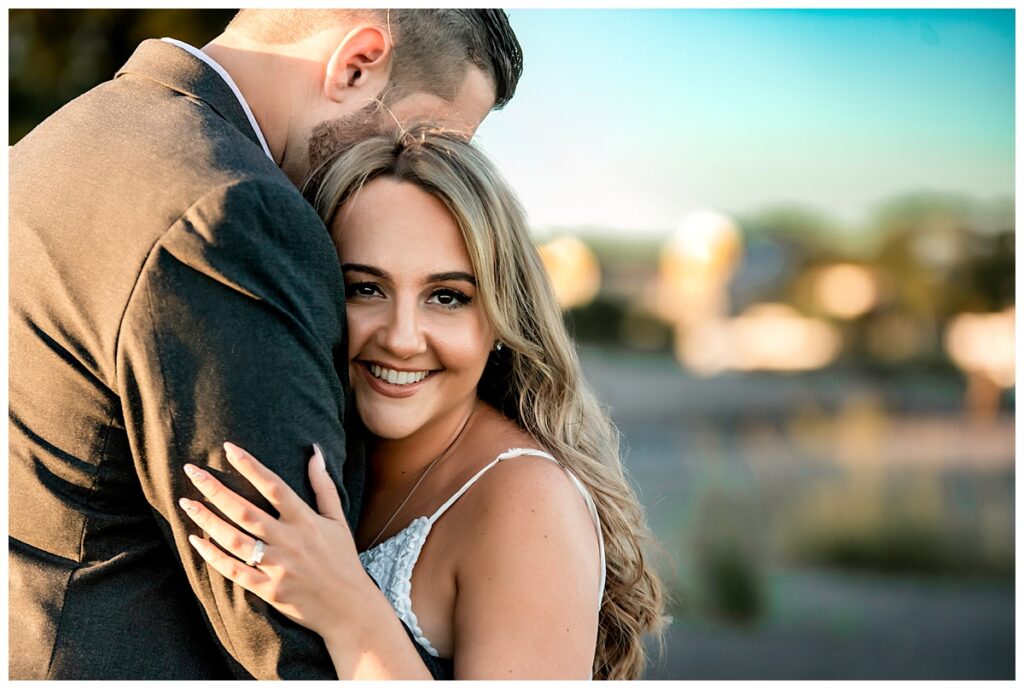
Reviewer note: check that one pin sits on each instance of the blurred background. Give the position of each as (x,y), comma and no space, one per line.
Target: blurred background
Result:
(785,243)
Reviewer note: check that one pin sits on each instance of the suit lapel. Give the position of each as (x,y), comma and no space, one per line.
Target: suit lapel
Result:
(180,71)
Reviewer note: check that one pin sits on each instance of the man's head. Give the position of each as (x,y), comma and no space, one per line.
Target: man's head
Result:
(364,70)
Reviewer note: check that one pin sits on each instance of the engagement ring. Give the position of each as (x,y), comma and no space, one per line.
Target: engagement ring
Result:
(257,553)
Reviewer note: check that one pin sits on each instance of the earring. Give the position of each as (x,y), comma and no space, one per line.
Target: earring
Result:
(497,346)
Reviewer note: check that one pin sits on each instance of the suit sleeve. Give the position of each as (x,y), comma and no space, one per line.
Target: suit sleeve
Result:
(231,333)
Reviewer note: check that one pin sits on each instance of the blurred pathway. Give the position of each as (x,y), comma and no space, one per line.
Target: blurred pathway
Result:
(840,626)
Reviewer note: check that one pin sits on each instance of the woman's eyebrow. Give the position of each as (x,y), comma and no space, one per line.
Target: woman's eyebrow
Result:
(452,275)
(363,268)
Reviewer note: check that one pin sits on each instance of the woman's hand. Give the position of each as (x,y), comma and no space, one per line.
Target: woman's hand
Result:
(310,570)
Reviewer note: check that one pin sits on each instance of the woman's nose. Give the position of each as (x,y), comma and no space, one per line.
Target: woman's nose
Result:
(402,335)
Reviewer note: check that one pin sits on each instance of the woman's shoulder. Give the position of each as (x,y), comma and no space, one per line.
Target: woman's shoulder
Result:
(523,496)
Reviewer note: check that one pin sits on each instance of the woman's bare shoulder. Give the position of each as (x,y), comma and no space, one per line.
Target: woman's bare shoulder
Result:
(523,498)
(524,492)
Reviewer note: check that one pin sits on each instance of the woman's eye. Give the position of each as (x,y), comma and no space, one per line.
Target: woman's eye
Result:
(361,289)
(449,298)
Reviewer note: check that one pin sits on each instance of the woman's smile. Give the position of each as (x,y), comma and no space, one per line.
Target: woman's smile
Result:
(392,382)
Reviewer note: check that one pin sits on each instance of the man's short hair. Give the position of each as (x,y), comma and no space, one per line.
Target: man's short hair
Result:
(433,48)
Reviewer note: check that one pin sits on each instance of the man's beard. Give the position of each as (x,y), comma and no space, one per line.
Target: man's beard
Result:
(331,138)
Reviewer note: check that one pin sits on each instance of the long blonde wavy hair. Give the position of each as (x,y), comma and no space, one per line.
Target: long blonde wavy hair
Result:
(536,378)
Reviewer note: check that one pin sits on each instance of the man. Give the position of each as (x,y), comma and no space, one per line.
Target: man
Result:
(170,290)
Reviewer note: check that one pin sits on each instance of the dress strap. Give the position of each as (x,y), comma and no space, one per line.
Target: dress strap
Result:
(600,536)
(507,454)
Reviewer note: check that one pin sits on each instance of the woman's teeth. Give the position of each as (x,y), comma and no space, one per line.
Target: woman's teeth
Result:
(397,377)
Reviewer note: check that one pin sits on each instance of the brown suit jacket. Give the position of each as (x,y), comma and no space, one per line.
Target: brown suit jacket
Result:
(169,289)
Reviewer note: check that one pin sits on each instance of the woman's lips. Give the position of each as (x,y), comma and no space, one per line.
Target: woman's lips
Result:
(391,389)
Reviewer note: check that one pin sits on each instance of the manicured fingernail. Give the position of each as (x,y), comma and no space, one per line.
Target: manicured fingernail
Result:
(187,505)
(194,540)
(194,473)
(319,454)
(232,451)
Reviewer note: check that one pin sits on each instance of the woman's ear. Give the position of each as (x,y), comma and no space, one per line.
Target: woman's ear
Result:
(360,64)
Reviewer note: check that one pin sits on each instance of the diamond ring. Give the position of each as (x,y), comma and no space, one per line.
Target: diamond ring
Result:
(257,553)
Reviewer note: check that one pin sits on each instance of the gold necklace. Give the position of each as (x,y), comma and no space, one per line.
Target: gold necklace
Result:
(426,471)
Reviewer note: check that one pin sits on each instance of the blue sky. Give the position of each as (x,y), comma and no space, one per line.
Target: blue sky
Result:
(630,119)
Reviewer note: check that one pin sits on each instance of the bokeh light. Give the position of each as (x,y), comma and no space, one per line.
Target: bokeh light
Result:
(983,343)
(845,290)
(695,266)
(765,337)
(573,269)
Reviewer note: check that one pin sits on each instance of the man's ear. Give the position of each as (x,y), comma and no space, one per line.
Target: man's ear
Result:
(361,61)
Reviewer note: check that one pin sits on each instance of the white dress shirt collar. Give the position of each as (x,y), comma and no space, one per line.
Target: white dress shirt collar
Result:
(231,83)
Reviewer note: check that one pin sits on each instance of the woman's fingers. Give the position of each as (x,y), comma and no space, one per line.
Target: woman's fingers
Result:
(328,501)
(249,578)
(238,543)
(269,484)
(233,506)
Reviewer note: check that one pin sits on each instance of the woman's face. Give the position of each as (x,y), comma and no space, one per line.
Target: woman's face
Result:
(418,337)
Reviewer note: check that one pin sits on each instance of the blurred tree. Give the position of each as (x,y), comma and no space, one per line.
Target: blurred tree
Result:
(925,252)
(56,55)
(794,225)
(991,273)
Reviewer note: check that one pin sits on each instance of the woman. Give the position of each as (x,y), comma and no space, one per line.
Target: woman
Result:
(497,521)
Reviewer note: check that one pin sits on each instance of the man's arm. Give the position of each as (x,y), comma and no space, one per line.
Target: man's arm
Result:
(230,334)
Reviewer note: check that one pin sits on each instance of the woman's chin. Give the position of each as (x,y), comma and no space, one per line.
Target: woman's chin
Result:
(387,428)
